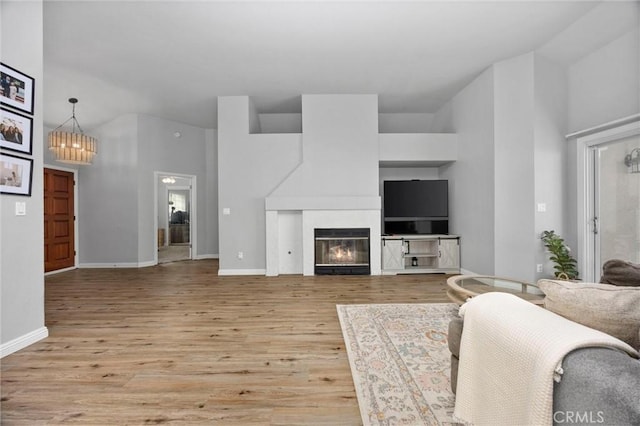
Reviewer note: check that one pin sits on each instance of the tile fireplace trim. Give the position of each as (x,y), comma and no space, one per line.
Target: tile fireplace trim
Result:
(322,212)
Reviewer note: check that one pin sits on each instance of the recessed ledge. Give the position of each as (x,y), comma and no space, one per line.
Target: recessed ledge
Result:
(322,203)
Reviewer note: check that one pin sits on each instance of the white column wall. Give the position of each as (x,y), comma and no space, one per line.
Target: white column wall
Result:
(514,184)
(22,237)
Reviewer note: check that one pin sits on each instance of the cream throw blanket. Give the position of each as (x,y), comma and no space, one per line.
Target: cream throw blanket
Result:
(510,352)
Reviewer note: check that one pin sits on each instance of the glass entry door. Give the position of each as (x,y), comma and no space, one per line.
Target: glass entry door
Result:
(615,202)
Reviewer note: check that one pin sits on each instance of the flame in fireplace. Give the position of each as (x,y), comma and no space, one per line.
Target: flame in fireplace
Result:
(341,254)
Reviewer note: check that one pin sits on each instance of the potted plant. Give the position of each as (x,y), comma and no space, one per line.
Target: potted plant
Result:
(565,264)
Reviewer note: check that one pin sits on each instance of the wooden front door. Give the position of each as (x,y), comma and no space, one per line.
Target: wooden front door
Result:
(59,250)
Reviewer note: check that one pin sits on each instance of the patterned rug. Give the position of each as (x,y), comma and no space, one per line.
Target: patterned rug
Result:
(400,362)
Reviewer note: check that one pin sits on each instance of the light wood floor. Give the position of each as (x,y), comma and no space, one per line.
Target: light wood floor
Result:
(177,344)
(173,253)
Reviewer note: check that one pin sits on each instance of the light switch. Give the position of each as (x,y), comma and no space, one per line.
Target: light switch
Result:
(226,211)
(542,207)
(21,208)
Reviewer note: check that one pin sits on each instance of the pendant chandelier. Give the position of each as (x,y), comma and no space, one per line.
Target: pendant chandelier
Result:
(72,147)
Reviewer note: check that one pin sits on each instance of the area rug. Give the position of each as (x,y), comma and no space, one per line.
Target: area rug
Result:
(400,362)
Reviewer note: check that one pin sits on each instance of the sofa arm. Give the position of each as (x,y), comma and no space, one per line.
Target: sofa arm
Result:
(454,336)
(598,386)
(453,339)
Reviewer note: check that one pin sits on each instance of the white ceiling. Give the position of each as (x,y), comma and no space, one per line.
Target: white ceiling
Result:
(172,59)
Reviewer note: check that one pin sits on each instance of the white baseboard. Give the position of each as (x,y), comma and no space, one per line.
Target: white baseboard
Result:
(57,271)
(230,272)
(138,264)
(23,341)
(207,256)
(116,265)
(107,265)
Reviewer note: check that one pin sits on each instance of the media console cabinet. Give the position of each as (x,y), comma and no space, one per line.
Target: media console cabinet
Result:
(420,254)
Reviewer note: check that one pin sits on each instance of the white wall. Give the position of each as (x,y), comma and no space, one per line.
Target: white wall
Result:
(211,200)
(116,193)
(405,122)
(510,123)
(250,166)
(531,110)
(336,158)
(550,153)
(280,123)
(417,149)
(108,197)
(340,148)
(604,85)
(160,150)
(514,167)
(22,237)
(470,114)
(387,122)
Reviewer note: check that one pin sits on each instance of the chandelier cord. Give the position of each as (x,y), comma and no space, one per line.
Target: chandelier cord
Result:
(74,123)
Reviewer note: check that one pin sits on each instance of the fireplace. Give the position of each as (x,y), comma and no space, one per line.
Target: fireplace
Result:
(342,251)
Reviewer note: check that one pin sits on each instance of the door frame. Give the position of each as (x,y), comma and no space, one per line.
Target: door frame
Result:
(76,239)
(586,181)
(193,214)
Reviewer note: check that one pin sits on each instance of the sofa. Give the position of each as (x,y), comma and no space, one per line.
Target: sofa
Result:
(599,385)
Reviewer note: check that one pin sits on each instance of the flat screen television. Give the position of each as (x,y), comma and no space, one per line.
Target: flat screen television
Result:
(416,206)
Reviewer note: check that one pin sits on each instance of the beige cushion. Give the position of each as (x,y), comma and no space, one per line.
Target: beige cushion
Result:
(611,309)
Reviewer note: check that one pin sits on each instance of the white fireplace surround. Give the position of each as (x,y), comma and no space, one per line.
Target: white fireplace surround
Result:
(321,212)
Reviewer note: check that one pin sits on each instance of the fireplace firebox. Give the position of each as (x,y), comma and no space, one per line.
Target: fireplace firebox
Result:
(342,251)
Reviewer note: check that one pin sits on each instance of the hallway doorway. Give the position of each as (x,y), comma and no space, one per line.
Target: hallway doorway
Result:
(175,216)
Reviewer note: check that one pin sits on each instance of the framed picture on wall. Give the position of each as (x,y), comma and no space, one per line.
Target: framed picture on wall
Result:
(16,89)
(15,131)
(16,174)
